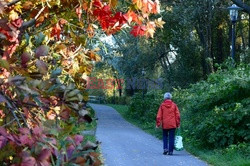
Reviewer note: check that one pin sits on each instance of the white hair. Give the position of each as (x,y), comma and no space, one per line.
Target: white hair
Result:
(167,96)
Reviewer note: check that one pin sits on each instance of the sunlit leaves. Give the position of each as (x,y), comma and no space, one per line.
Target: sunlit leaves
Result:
(138,30)
(56,31)
(159,22)
(13,15)
(147,6)
(27,5)
(43,66)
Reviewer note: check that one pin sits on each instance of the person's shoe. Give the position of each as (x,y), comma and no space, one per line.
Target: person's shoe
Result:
(165,152)
(170,153)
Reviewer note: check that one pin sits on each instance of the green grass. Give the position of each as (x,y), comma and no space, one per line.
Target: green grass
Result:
(219,157)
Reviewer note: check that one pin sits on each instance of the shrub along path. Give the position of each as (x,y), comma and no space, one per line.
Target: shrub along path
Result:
(124,144)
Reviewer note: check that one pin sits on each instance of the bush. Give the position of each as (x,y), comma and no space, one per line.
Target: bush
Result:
(216,112)
(123,100)
(145,109)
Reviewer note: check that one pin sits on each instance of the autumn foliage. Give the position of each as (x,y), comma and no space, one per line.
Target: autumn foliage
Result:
(44,62)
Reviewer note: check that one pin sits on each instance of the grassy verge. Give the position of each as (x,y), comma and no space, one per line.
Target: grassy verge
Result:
(233,156)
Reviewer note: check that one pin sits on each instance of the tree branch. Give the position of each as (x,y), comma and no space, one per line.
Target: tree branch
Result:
(241,4)
(11,109)
(13,120)
(32,22)
(12,3)
(14,109)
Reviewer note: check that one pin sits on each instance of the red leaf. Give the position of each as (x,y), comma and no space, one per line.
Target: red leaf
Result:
(97,3)
(4,25)
(17,23)
(156,8)
(25,57)
(42,51)
(120,17)
(3,132)
(24,131)
(65,114)
(138,30)
(42,66)
(29,141)
(24,139)
(78,139)
(44,155)
(3,141)
(79,12)
(131,16)
(28,161)
(37,131)
(11,48)
(56,31)
(70,151)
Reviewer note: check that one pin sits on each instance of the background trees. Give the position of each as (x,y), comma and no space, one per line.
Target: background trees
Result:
(196,38)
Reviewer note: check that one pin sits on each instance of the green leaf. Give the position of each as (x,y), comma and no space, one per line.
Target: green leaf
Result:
(39,39)
(4,64)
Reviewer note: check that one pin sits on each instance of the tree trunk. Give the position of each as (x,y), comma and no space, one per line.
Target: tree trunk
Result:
(203,41)
(249,31)
(242,34)
(119,84)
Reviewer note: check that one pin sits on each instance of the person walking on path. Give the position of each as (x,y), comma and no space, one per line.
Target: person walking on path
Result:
(168,117)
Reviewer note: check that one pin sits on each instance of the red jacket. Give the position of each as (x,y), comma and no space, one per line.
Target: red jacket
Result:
(168,115)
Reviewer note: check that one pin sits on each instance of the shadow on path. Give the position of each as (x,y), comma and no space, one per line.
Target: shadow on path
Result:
(123,144)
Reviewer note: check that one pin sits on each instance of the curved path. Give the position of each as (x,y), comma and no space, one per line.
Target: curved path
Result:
(123,144)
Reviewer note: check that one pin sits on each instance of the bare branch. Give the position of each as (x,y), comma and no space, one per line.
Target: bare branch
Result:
(13,113)
(13,109)
(28,24)
(32,22)
(13,120)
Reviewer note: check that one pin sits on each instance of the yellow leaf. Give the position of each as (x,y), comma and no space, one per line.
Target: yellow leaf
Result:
(150,29)
(60,47)
(113,3)
(18,8)
(159,23)
(13,15)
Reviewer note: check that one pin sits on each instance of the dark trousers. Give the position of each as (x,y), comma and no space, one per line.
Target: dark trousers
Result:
(168,139)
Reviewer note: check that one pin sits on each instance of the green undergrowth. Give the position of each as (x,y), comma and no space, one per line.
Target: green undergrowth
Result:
(93,124)
(231,156)
(215,115)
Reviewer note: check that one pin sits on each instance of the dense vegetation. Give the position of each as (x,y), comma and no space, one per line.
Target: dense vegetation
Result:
(214,113)
(47,49)
(218,109)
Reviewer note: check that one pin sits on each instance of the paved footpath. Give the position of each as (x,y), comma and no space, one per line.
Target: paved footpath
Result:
(123,144)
